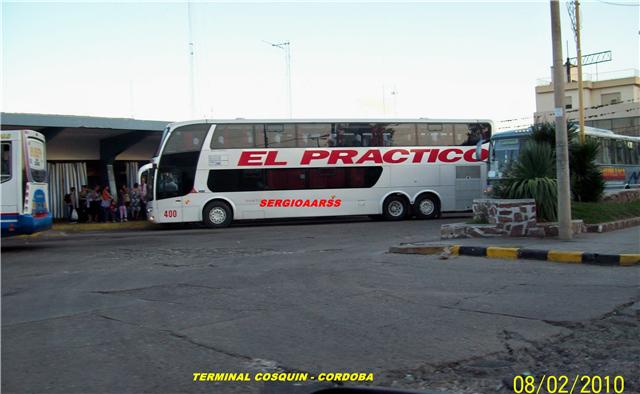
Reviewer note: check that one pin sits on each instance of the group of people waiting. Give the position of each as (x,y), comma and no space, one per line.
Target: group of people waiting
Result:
(101,205)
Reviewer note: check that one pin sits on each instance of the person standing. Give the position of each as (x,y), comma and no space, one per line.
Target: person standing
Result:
(94,203)
(67,206)
(71,204)
(105,204)
(83,205)
(135,202)
(123,201)
(144,190)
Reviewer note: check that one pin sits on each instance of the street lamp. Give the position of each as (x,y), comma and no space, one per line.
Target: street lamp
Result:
(286,47)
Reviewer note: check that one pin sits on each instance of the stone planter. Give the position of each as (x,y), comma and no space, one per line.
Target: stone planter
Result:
(513,218)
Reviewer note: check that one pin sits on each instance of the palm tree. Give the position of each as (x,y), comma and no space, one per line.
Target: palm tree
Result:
(587,183)
(533,176)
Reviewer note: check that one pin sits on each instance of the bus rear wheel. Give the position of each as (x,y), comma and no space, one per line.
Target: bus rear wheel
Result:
(217,214)
(427,206)
(395,208)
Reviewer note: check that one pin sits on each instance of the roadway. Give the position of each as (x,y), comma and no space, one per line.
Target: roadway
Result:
(142,311)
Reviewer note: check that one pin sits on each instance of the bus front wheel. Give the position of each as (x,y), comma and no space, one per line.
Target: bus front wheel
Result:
(427,206)
(395,208)
(217,214)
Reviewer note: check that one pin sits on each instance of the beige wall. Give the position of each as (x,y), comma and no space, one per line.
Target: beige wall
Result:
(629,89)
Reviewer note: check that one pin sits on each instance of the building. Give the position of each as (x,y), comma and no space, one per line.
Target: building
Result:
(86,150)
(612,104)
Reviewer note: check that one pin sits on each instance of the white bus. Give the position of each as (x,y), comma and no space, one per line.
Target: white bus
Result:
(219,171)
(25,192)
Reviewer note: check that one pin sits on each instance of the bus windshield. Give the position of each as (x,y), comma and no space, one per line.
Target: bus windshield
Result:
(36,160)
(503,152)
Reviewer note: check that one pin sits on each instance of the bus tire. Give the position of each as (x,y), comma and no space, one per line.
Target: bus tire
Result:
(395,208)
(427,206)
(217,214)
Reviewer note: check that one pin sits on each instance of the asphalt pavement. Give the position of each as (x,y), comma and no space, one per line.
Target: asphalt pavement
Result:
(141,311)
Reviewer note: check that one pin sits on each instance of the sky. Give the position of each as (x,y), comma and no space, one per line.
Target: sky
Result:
(360,59)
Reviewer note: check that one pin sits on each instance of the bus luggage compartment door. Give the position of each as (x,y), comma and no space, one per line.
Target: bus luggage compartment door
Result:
(468,186)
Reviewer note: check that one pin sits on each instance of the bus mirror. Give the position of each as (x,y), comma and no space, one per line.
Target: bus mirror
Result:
(478,155)
(154,166)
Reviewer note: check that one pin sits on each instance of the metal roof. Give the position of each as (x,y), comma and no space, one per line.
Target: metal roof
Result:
(72,121)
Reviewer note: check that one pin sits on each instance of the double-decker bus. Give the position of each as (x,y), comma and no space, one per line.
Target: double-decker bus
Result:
(219,171)
(25,193)
(618,156)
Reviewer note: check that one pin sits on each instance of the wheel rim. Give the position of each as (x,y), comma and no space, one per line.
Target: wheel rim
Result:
(427,207)
(395,208)
(217,215)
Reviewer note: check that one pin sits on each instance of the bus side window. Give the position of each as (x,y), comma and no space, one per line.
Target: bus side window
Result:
(403,134)
(463,134)
(435,134)
(280,136)
(611,149)
(312,135)
(472,133)
(600,155)
(633,153)
(620,151)
(6,161)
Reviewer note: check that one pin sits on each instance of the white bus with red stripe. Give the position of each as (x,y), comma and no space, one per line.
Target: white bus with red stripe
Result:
(219,171)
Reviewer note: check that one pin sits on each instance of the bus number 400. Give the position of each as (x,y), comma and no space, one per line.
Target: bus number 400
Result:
(171,213)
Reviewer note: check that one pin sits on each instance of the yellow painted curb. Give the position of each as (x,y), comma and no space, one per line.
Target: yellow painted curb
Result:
(564,256)
(629,259)
(80,227)
(455,250)
(502,253)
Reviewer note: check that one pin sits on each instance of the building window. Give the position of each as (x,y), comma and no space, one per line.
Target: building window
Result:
(568,103)
(611,98)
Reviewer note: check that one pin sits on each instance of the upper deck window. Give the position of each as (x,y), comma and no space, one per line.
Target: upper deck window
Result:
(320,135)
(187,138)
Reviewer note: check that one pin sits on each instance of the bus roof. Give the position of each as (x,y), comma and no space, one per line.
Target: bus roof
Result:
(328,120)
(28,133)
(594,131)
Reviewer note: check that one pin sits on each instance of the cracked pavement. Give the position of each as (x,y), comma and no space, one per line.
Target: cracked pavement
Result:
(141,311)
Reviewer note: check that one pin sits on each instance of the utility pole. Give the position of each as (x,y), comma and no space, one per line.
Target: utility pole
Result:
(384,102)
(286,47)
(192,83)
(580,84)
(562,149)
(574,13)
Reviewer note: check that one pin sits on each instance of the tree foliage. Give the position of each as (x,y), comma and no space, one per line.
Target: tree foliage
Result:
(533,176)
(587,184)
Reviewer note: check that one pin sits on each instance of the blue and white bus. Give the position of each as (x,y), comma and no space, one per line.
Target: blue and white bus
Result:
(618,157)
(25,192)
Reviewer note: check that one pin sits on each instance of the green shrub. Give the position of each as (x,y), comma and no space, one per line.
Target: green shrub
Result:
(587,183)
(533,176)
